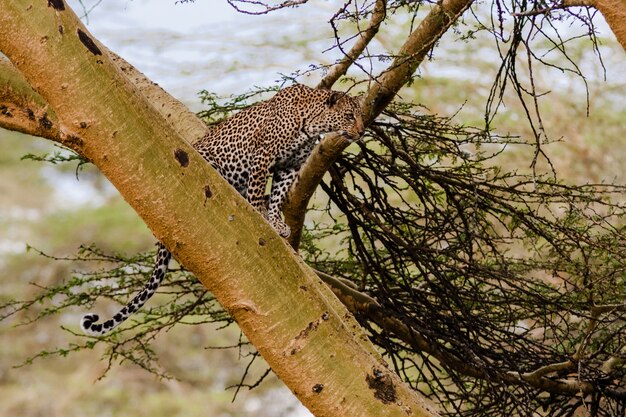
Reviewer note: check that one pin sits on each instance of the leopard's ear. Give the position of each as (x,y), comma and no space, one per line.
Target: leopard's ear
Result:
(334,97)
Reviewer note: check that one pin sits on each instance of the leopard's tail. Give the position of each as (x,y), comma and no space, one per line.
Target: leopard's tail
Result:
(89,321)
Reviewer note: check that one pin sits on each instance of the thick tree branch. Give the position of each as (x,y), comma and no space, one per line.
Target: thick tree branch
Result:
(382,91)
(614,11)
(290,316)
(22,109)
(185,122)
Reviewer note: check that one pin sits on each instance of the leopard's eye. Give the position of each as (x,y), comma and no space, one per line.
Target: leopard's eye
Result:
(350,117)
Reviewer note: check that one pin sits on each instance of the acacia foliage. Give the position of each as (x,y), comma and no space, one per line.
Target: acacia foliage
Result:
(509,282)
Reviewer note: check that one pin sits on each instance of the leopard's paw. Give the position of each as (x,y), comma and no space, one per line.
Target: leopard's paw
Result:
(281,228)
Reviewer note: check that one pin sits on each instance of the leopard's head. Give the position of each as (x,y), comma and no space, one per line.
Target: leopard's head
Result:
(336,112)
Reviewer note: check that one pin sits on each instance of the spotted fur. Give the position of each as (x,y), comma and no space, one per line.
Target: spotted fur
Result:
(88,322)
(274,137)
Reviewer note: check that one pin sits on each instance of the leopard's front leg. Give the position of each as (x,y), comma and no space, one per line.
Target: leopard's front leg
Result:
(259,174)
(281,183)
(286,172)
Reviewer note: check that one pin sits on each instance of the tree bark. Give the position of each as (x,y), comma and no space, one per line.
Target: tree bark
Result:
(306,335)
(22,109)
(614,12)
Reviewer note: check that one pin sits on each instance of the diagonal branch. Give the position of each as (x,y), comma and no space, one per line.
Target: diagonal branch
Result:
(366,36)
(387,85)
(179,117)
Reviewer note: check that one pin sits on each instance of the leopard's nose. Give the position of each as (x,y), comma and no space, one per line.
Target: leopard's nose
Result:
(360,128)
(354,135)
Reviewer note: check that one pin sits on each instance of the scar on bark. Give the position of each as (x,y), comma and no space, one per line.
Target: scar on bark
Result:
(4,110)
(45,122)
(74,141)
(182,157)
(88,42)
(383,387)
(56,4)
(297,343)
(207,192)
(317,388)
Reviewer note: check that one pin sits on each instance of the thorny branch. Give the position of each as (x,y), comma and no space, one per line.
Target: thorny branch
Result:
(255,7)
(117,279)
(447,250)
(556,6)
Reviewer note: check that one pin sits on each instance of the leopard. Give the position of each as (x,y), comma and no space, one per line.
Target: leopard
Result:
(269,139)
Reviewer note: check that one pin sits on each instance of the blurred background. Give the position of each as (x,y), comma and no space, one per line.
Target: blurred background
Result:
(187,47)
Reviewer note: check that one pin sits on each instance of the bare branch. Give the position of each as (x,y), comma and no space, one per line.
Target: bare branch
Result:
(366,36)
(563,5)
(367,308)
(264,7)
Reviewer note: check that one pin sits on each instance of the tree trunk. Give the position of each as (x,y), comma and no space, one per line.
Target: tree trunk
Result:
(614,11)
(306,335)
